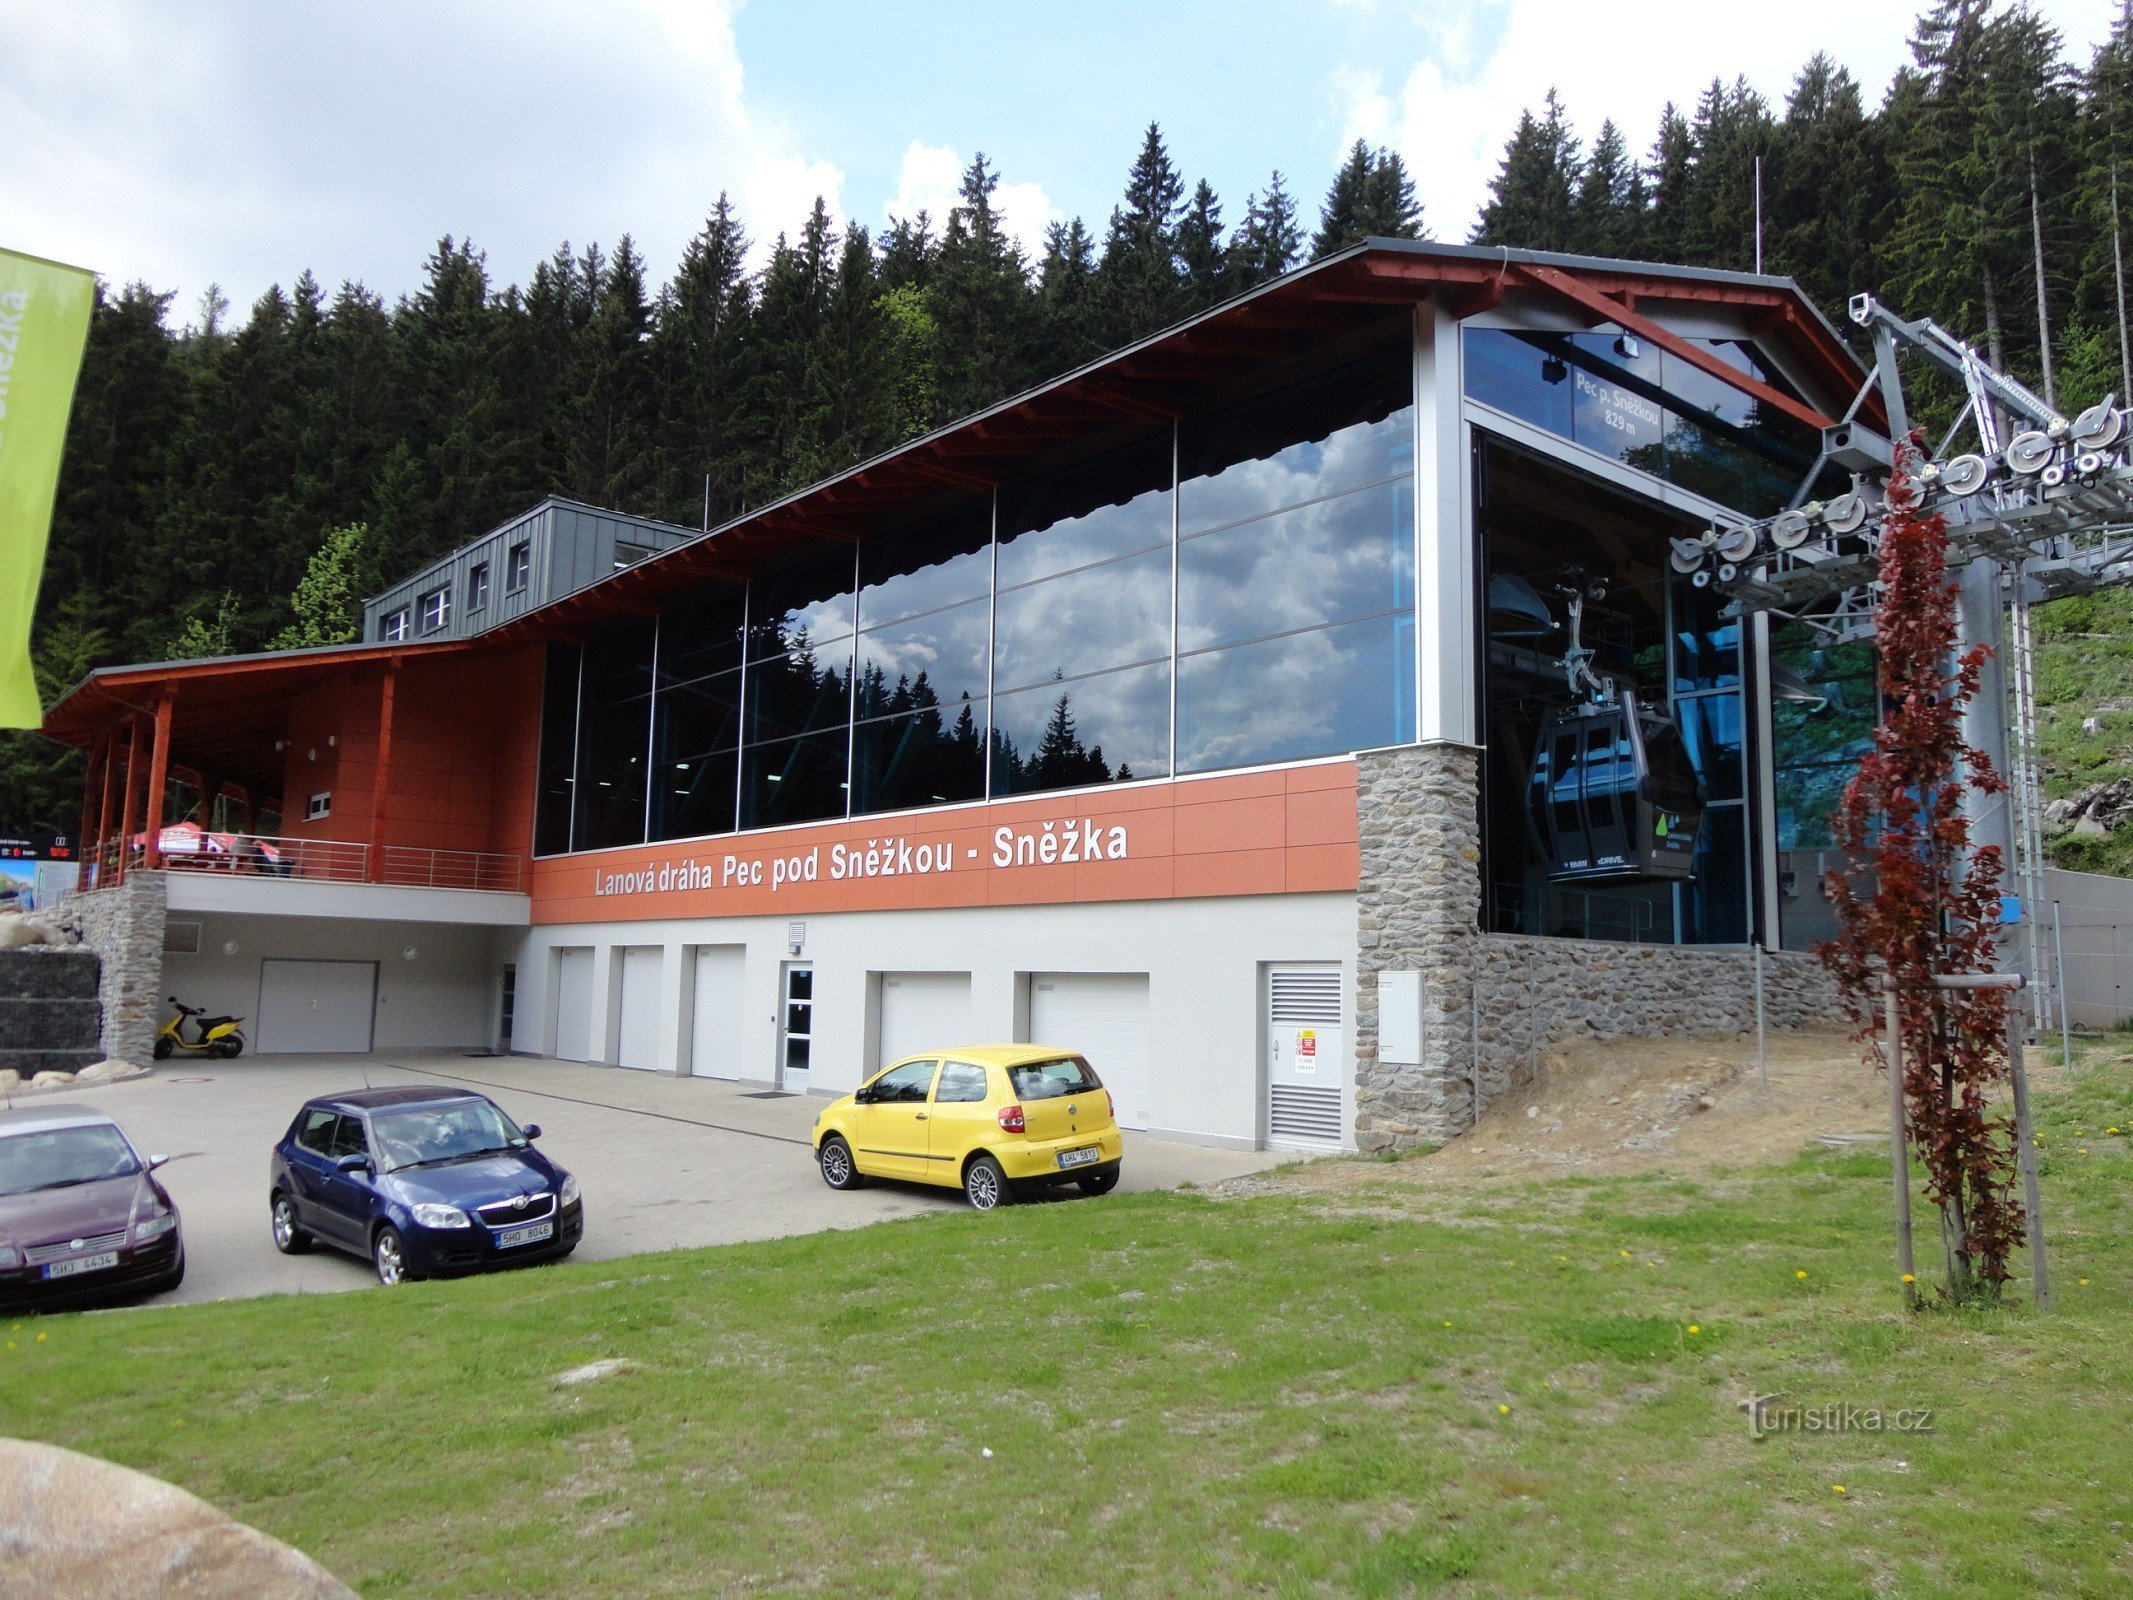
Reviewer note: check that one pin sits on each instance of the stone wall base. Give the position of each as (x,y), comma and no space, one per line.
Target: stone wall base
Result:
(124,926)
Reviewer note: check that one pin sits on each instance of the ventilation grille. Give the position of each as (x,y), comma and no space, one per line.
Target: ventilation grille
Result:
(1304,1114)
(1305,998)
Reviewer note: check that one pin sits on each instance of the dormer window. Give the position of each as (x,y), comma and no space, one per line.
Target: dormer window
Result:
(436,608)
(394,626)
(518,567)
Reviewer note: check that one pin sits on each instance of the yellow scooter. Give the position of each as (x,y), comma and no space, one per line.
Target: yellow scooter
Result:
(212,1036)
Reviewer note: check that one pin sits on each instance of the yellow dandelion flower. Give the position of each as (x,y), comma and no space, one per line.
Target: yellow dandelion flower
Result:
(1503,1411)
(2084,1284)
(1625,1255)
(1838,1487)
(1695,1328)
(1801,1273)
(1562,1258)
(1447,1324)
(1910,1277)
(40,1338)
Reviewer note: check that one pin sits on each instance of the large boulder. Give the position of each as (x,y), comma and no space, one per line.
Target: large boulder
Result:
(76,1528)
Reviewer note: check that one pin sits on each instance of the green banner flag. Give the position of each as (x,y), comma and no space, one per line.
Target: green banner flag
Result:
(44,322)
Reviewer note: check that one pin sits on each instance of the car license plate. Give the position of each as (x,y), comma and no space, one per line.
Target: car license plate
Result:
(539,1230)
(1080,1158)
(96,1263)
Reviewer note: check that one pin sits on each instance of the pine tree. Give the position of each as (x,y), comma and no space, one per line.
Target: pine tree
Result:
(1607,217)
(1266,245)
(1668,173)
(1371,197)
(1731,132)
(699,333)
(1201,255)
(1071,314)
(980,300)
(1828,197)
(1141,284)
(1533,199)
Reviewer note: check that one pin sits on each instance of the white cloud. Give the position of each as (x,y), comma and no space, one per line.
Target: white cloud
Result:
(247,140)
(930,180)
(1475,69)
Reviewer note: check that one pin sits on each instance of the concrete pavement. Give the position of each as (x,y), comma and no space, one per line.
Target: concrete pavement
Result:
(665,1162)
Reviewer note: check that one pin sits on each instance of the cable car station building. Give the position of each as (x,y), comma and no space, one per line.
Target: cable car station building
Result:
(1296,712)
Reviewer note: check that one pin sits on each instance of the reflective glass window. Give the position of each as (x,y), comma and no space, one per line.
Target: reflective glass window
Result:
(924,569)
(1706,642)
(806,688)
(697,757)
(1614,405)
(1349,687)
(1715,901)
(1334,559)
(1111,507)
(935,659)
(1109,728)
(701,634)
(1516,375)
(614,738)
(559,751)
(1087,620)
(1348,428)
(811,603)
(794,780)
(1711,727)
(926,758)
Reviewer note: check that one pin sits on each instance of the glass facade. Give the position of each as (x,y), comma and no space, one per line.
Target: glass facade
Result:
(1236,590)
(1646,409)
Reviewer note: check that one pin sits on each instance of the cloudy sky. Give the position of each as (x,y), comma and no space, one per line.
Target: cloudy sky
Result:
(240,141)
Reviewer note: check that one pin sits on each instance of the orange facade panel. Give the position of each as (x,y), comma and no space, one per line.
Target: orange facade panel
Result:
(1174,840)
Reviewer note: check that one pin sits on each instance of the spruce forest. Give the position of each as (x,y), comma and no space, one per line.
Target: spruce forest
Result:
(238,483)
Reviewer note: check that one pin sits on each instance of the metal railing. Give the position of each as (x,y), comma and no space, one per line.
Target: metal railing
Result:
(251,855)
(453,869)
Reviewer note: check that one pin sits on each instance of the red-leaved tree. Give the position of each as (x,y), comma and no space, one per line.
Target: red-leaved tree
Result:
(1935,903)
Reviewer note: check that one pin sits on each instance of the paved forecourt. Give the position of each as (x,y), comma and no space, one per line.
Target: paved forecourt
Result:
(665,1162)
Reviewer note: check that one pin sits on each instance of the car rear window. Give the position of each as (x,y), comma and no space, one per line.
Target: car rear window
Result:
(1047,1080)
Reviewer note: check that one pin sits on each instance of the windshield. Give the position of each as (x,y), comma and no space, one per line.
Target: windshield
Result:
(443,1133)
(1047,1080)
(60,1157)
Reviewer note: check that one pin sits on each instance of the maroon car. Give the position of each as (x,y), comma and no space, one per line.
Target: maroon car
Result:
(81,1215)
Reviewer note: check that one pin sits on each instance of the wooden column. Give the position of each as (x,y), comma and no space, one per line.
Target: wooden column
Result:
(158,783)
(381,773)
(92,762)
(126,811)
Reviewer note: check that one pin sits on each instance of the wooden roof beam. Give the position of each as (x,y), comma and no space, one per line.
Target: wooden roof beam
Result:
(1607,309)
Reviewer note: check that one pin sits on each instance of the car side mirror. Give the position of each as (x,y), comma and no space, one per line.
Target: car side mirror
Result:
(157,1161)
(353,1164)
(531,1130)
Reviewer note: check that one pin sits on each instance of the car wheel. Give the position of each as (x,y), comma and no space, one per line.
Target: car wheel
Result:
(388,1253)
(161,1051)
(1102,1183)
(289,1236)
(985,1186)
(839,1171)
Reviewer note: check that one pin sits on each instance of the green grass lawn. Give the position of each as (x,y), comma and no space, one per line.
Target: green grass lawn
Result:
(1522,1389)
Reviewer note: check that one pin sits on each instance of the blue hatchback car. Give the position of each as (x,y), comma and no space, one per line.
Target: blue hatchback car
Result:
(421,1182)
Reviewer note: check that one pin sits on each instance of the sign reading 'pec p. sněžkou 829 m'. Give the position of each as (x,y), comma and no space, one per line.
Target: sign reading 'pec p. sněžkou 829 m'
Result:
(1043,844)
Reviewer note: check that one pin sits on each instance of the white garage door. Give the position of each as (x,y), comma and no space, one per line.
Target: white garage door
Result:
(637,1007)
(923,1011)
(316,1007)
(574,1004)
(1102,1016)
(715,1039)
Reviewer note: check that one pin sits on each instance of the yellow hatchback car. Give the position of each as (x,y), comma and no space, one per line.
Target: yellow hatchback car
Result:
(992,1120)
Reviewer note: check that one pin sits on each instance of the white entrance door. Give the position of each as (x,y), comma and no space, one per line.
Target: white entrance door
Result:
(1102,1017)
(1306,1066)
(796,1029)
(922,1011)
(637,1007)
(574,1004)
(316,1007)
(715,1035)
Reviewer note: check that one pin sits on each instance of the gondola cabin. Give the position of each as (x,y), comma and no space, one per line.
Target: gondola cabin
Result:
(1613,795)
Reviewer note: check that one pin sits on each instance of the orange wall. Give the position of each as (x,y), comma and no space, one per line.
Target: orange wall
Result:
(465,739)
(1282,832)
